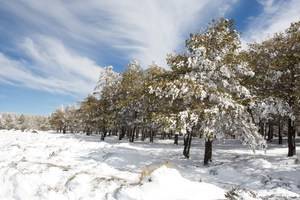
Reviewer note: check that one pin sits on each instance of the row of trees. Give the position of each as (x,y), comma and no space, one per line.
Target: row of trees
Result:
(213,90)
(23,122)
(276,64)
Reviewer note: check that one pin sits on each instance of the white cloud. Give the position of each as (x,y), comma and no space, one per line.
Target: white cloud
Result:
(50,66)
(145,30)
(59,41)
(277,15)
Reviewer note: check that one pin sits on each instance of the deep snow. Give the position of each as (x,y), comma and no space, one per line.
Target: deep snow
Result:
(67,166)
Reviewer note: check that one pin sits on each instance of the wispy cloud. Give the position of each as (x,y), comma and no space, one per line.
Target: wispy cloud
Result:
(49,66)
(146,30)
(153,28)
(277,15)
(60,41)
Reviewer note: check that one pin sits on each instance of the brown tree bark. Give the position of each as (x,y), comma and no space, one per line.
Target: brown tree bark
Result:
(208,152)
(279,132)
(122,133)
(270,132)
(176,139)
(151,135)
(187,144)
(291,138)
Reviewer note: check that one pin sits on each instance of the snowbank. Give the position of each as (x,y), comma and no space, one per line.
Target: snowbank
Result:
(166,183)
(67,166)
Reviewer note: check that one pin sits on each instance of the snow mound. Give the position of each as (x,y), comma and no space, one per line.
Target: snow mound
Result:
(166,183)
(262,163)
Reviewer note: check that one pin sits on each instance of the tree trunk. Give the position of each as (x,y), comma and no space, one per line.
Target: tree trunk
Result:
(279,132)
(270,132)
(261,128)
(88,131)
(163,135)
(122,133)
(208,152)
(265,130)
(143,134)
(151,135)
(103,134)
(132,134)
(137,133)
(176,139)
(187,144)
(291,138)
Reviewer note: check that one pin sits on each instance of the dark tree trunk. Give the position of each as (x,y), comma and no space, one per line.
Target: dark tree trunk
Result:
(143,134)
(185,141)
(122,133)
(132,135)
(88,131)
(291,138)
(103,134)
(187,144)
(176,139)
(279,132)
(261,128)
(163,135)
(265,130)
(137,133)
(208,152)
(270,132)
(151,135)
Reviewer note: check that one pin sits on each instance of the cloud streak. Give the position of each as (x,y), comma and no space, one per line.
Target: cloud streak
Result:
(277,15)
(49,66)
(147,30)
(63,44)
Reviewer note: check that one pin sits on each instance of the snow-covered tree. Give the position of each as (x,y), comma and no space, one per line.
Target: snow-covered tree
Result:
(88,113)
(107,78)
(23,122)
(207,83)
(129,98)
(276,63)
(57,120)
(1,122)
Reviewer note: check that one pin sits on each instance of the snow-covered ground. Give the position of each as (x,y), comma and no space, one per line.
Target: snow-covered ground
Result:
(58,166)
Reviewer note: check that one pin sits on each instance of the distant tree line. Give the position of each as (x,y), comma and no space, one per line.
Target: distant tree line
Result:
(24,122)
(213,90)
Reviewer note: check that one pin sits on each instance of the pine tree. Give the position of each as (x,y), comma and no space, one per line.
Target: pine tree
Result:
(276,63)
(206,86)
(57,120)
(22,122)
(88,113)
(129,99)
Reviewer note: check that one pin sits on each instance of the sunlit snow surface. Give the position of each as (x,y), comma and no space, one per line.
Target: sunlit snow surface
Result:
(58,166)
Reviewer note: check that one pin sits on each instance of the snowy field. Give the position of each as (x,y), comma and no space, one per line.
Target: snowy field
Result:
(58,166)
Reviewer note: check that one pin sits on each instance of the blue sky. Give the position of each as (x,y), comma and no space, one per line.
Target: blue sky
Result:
(52,52)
